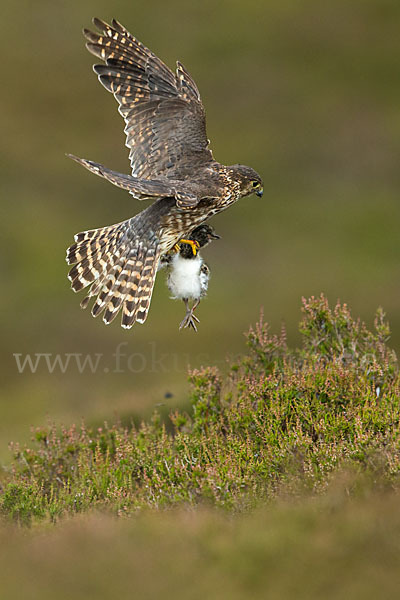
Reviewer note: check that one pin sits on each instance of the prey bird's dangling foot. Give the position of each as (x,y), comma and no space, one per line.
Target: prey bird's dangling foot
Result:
(190,319)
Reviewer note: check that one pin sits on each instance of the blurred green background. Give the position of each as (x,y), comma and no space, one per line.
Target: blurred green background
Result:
(308,93)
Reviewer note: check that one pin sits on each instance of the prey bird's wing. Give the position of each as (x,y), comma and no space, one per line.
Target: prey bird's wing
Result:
(164,117)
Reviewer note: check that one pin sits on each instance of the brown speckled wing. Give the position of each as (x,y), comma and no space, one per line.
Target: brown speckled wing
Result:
(141,189)
(164,117)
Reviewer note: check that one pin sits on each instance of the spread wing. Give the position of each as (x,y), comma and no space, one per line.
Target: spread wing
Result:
(164,117)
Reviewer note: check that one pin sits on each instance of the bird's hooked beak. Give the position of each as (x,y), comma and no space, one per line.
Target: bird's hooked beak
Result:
(260,192)
(215,236)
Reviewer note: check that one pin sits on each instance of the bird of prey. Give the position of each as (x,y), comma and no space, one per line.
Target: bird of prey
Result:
(188,274)
(171,164)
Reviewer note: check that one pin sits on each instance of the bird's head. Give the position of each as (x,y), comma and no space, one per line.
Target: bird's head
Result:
(198,238)
(203,235)
(249,180)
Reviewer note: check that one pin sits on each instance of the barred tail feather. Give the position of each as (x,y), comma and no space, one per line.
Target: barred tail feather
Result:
(93,253)
(147,281)
(140,289)
(113,294)
(120,269)
(108,286)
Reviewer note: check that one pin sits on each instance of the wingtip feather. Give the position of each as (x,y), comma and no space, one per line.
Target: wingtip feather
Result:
(117,25)
(75,158)
(100,24)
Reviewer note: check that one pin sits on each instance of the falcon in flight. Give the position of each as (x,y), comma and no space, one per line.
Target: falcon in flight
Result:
(171,164)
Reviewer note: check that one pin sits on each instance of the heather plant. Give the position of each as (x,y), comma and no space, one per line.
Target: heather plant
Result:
(282,421)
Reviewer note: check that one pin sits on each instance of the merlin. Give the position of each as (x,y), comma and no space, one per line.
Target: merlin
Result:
(171,164)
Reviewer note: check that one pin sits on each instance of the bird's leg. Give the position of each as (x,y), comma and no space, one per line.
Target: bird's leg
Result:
(193,317)
(186,320)
(194,245)
(195,305)
(190,319)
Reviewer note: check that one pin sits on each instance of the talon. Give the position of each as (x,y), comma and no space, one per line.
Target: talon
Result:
(193,325)
(189,321)
(193,244)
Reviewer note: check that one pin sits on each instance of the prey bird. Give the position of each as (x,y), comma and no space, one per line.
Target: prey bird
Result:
(171,164)
(188,274)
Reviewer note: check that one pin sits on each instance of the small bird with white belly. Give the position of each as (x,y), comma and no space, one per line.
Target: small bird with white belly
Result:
(188,274)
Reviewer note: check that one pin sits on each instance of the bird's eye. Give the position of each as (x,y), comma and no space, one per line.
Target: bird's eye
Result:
(255,184)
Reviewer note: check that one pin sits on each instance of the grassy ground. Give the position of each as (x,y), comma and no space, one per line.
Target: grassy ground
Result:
(335,547)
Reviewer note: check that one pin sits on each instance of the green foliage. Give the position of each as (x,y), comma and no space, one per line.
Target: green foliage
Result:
(336,337)
(283,420)
(22,503)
